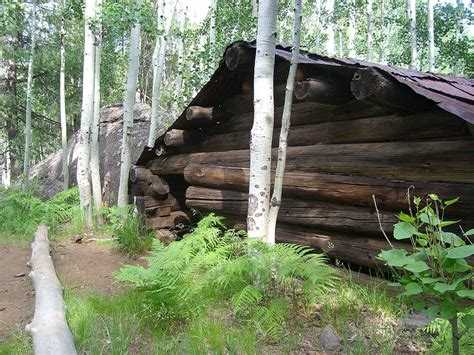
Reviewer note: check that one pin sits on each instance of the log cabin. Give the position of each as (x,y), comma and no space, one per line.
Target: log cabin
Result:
(359,131)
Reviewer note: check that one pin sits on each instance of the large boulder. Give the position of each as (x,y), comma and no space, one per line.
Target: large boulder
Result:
(48,173)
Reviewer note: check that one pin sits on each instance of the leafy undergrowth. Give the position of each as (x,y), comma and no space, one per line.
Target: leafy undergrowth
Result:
(22,212)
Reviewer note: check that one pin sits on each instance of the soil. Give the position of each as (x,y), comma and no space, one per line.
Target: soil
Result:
(85,267)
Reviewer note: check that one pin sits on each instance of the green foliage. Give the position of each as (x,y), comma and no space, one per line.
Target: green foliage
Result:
(22,212)
(127,227)
(435,275)
(214,264)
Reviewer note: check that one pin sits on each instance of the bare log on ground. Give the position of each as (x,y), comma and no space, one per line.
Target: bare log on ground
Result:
(370,84)
(323,90)
(49,327)
(358,220)
(352,190)
(437,161)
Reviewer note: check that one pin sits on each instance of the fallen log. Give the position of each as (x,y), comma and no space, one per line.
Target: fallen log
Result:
(346,247)
(438,161)
(323,90)
(305,113)
(353,190)
(371,84)
(179,137)
(436,124)
(330,216)
(49,327)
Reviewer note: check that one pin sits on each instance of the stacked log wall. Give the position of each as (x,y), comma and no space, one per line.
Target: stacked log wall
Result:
(340,157)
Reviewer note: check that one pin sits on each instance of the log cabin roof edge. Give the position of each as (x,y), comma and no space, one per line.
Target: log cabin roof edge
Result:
(452,94)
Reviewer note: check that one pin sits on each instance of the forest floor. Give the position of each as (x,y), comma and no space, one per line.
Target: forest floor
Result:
(86,268)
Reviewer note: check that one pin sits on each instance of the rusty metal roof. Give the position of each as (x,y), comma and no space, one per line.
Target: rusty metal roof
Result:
(450,93)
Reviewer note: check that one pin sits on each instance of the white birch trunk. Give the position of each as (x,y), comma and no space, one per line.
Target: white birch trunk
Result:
(431,48)
(212,27)
(317,15)
(369,31)
(285,127)
(351,32)
(262,130)
(330,44)
(87,111)
(126,157)
(62,103)
(49,328)
(159,57)
(95,160)
(412,16)
(29,95)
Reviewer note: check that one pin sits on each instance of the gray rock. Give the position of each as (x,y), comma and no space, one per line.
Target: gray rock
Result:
(330,339)
(415,320)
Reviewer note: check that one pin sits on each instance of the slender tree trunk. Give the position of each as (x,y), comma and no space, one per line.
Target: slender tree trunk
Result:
(62,102)
(317,15)
(330,44)
(180,49)
(412,16)
(159,57)
(285,127)
(384,40)
(262,130)
(369,31)
(255,8)
(128,104)
(212,28)
(431,35)
(340,44)
(352,29)
(95,127)
(87,111)
(457,63)
(29,96)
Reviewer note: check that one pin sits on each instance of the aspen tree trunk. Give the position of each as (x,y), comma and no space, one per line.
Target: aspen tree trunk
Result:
(262,130)
(317,14)
(62,102)
(412,16)
(431,49)
(212,29)
(159,57)
(285,127)
(87,111)
(340,45)
(369,30)
(330,44)
(255,8)
(95,160)
(128,104)
(352,29)
(180,50)
(457,63)
(29,96)
(384,40)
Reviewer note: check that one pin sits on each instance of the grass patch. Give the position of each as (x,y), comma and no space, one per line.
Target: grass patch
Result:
(18,343)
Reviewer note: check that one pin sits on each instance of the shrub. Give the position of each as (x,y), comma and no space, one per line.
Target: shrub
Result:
(213,264)
(436,270)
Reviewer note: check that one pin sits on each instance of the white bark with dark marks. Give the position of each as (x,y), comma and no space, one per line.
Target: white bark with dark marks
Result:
(351,33)
(411,10)
(62,101)
(262,130)
(369,31)
(330,43)
(431,48)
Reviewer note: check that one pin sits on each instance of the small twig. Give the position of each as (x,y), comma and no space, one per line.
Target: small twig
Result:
(380,222)
(409,198)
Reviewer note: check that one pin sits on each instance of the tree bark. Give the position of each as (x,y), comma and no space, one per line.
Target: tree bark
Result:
(128,113)
(212,25)
(206,114)
(179,137)
(330,43)
(87,111)
(411,9)
(182,21)
(431,48)
(352,190)
(95,160)
(62,101)
(351,32)
(49,327)
(159,57)
(285,127)
(324,91)
(29,97)
(317,15)
(369,31)
(262,130)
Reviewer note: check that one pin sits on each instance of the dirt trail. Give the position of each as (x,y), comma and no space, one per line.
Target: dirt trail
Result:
(86,268)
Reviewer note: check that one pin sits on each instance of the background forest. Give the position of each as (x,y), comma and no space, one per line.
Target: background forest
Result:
(378,31)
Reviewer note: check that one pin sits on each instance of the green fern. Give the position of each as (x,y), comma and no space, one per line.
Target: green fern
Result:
(214,264)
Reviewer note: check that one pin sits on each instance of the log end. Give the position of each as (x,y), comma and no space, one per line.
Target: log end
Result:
(301,89)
